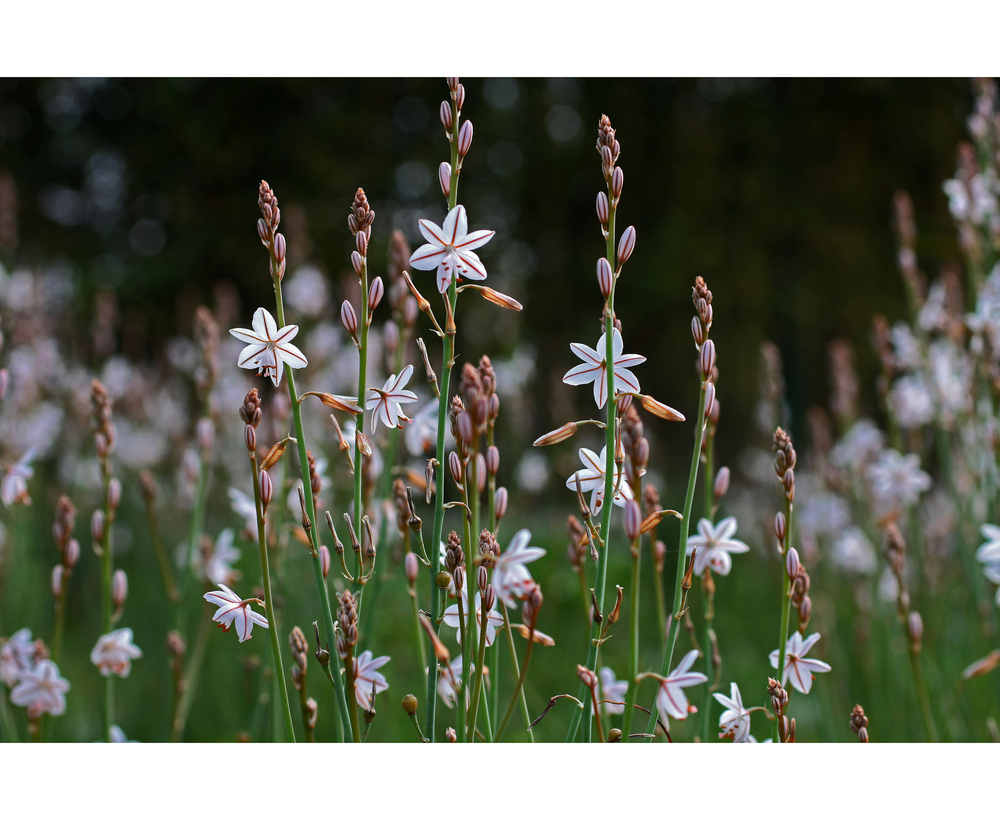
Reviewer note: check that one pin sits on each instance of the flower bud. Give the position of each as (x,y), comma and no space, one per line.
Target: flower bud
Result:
(481,471)
(493,460)
(482,579)
(709,398)
(465,138)
(605,277)
(603,210)
(262,230)
(632,520)
(324,559)
(464,427)
(357,262)
(97,527)
(266,489)
(500,502)
(489,598)
(412,567)
(707,359)
(349,318)
(376,290)
(460,96)
(805,612)
(915,625)
(450,734)
(57,579)
(410,705)
(4,382)
(557,435)
(779,526)
(119,588)
(445,114)
(721,483)
(71,555)
(607,159)
(697,332)
(250,439)
(455,465)
(279,247)
(205,432)
(114,494)
(626,245)
(361,241)
(444,177)
(617,183)
(459,576)
(792,563)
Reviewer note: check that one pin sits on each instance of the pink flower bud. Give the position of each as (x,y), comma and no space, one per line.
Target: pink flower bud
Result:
(626,245)
(721,482)
(455,465)
(709,398)
(617,183)
(459,576)
(606,159)
(412,567)
(500,502)
(262,230)
(481,471)
(357,262)
(915,625)
(114,494)
(624,403)
(444,177)
(361,240)
(452,84)
(57,578)
(792,563)
(489,598)
(446,119)
(603,210)
(707,358)
(465,138)
(349,318)
(324,559)
(4,382)
(632,520)
(205,432)
(605,277)
(464,427)
(482,579)
(697,332)
(71,555)
(493,460)
(97,527)
(119,588)
(376,290)
(279,247)
(266,489)
(250,438)
(779,526)
(460,96)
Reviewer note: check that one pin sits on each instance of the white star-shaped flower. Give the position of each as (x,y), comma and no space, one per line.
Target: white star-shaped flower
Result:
(493,618)
(612,689)
(510,576)
(735,721)
(17,654)
(41,689)
(113,653)
(234,611)
(595,370)
(714,543)
(269,348)
(450,248)
(218,569)
(592,480)
(365,675)
(384,403)
(14,485)
(798,667)
(671,700)
(243,505)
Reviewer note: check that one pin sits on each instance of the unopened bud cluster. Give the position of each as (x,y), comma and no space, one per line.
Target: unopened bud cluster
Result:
(267,228)
(859,723)
(784,463)
(347,618)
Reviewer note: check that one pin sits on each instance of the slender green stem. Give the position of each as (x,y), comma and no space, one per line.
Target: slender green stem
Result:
(633,649)
(352,696)
(517,673)
(197,527)
(518,692)
(7,721)
(189,682)
(279,669)
(477,686)
(173,595)
(709,589)
(60,628)
(362,390)
(786,605)
(421,644)
(925,702)
(675,622)
(107,566)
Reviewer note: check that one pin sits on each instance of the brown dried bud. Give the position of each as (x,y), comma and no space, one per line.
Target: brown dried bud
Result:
(450,735)
(805,612)
(584,674)
(557,435)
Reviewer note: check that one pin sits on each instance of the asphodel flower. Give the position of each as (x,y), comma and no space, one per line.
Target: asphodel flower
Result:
(269,348)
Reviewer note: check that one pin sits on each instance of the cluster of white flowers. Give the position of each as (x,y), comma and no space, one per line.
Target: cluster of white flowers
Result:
(33,679)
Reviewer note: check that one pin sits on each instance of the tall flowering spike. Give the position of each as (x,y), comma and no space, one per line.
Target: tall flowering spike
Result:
(385,403)
(268,347)
(594,370)
(450,249)
(235,612)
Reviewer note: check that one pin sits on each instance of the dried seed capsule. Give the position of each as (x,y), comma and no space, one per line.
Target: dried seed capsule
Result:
(626,245)
(410,705)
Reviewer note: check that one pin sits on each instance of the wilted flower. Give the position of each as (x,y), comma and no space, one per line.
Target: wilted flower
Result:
(714,543)
(14,485)
(41,689)
(510,575)
(450,249)
(114,652)
(385,403)
(591,479)
(798,667)
(735,721)
(268,348)
(365,676)
(595,370)
(234,611)
(671,700)
(493,618)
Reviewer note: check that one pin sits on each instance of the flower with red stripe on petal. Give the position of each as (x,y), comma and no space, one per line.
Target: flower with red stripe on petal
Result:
(594,368)
(671,700)
(235,612)
(384,403)
(269,347)
(450,249)
(798,668)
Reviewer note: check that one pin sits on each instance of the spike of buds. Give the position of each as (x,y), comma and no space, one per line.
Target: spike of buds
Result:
(376,290)
(465,138)
(444,175)
(349,318)
(626,245)
(605,277)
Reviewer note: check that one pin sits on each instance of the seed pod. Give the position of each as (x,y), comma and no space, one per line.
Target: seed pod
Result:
(465,138)
(721,483)
(605,277)
(119,588)
(444,176)
(410,705)
(324,559)
(626,245)
(603,211)
(349,318)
